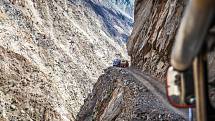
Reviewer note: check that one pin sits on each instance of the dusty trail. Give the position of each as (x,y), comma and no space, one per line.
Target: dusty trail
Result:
(157,89)
(127,95)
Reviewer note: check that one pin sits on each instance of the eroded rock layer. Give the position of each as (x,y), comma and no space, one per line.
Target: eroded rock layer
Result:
(155,27)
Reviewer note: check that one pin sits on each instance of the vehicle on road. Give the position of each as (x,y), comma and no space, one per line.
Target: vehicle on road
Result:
(124,64)
(116,62)
(120,63)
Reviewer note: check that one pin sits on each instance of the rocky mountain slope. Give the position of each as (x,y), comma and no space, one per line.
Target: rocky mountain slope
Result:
(126,6)
(51,54)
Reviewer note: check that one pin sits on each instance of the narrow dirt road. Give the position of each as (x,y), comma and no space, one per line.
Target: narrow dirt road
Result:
(157,89)
(122,94)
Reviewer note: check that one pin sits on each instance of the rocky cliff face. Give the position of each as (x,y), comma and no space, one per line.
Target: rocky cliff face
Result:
(155,27)
(127,6)
(52,52)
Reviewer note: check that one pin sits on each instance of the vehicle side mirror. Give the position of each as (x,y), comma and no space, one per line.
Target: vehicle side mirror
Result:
(180,88)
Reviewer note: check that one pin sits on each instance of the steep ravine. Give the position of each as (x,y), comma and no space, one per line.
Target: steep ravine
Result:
(51,54)
(53,51)
(121,94)
(131,95)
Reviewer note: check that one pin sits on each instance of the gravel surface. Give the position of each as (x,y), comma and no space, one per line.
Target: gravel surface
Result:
(119,96)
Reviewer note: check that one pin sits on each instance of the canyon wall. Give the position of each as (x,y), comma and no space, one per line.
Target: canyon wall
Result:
(51,54)
(155,27)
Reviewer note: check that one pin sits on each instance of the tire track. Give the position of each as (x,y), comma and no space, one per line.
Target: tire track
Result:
(158,90)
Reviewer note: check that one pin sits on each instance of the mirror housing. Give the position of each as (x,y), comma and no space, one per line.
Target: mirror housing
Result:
(180,88)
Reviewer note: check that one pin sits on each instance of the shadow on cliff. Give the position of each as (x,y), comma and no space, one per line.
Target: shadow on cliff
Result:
(111,17)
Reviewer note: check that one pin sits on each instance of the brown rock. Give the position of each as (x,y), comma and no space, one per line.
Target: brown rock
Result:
(155,27)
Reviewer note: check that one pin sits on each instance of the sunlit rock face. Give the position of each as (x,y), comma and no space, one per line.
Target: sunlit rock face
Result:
(155,27)
(51,54)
